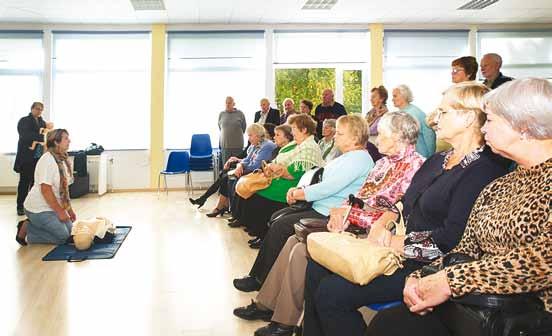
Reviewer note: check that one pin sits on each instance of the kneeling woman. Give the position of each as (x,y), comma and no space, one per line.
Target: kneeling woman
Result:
(48,207)
(291,163)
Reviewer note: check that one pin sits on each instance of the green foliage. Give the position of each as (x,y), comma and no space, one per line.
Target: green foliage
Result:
(300,84)
(352,91)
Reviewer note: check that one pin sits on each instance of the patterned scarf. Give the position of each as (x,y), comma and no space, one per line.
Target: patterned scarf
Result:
(62,162)
(303,157)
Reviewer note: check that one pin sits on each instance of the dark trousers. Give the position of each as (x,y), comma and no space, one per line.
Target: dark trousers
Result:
(332,302)
(398,321)
(280,230)
(256,212)
(26,181)
(232,199)
(220,185)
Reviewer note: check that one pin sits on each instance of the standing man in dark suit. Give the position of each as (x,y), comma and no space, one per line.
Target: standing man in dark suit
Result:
(267,114)
(328,109)
(29,129)
(490,69)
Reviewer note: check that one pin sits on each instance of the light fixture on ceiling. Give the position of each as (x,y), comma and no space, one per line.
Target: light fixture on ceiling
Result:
(149,5)
(319,4)
(477,4)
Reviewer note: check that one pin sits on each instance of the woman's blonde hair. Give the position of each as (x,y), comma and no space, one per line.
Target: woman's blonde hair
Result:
(468,97)
(357,125)
(257,129)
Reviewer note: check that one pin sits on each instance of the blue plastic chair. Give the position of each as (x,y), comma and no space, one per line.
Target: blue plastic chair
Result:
(385,305)
(178,163)
(201,153)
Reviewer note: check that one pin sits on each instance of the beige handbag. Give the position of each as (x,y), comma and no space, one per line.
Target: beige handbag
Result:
(357,260)
(257,180)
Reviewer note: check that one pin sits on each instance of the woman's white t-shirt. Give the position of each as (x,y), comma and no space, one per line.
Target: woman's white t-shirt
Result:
(46,172)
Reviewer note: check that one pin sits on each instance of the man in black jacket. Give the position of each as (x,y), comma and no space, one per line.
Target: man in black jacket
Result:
(490,69)
(267,114)
(328,109)
(29,129)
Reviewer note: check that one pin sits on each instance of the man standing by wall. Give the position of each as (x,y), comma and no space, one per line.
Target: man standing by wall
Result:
(328,109)
(267,114)
(490,69)
(29,129)
(289,109)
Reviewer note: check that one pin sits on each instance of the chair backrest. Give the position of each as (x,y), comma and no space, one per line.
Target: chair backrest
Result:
(178,161)
(201,145)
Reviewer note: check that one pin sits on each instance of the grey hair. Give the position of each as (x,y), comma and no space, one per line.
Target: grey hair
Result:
(402,124)
(329,122)
(291,100)
(257,129)
(526,104)
(495,57)
(405,92)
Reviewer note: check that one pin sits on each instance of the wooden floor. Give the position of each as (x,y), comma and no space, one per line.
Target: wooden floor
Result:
(172,276)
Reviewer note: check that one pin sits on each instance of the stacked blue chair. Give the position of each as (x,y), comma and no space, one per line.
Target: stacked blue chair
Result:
(178,163)
(385,305)
(201,153)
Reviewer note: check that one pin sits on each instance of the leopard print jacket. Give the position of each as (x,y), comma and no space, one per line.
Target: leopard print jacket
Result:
(509,232)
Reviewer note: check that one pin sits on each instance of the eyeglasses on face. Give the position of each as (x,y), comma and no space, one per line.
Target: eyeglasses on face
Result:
(456,70)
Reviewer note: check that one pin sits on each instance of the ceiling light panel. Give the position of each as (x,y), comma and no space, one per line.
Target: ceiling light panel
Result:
(148,5)
(477,4)
(319,4)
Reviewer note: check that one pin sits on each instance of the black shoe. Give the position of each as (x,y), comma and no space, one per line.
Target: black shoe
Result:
(198,201)
(247,284)
(252,312)
(252,240)
(217,212)
(235,224)
(256,244)
(21,241)
(20,212)
(232,219)
(275,329)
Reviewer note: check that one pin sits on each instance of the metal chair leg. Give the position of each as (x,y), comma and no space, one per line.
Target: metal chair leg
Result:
(158,182)
(166,187)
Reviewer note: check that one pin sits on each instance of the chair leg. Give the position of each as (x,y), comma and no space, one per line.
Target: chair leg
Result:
(158,183)
(191,182)
(166,187)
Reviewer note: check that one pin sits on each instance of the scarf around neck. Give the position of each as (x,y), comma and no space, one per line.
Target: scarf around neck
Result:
(62,160)
(304,156)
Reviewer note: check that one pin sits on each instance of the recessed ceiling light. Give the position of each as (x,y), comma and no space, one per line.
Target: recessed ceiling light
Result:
(477,4)
(147,4)
(319,4)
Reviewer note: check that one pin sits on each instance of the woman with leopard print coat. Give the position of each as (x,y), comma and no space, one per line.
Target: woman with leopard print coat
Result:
(509,232)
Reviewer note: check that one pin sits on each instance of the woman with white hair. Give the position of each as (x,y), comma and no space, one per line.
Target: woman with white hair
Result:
(509,231)
(402,99)
(260,149)
(327,143)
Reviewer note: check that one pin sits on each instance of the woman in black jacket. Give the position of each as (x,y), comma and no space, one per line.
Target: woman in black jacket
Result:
(29,129)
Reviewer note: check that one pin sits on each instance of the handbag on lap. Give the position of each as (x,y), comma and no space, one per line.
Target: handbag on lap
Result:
(257,180)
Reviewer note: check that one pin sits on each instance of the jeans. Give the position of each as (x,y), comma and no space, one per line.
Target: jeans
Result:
(46,228)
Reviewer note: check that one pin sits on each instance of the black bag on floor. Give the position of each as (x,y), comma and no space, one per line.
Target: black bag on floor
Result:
(79,163)
(80,186)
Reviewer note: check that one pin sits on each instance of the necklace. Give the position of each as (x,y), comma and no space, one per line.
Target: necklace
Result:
(466,160)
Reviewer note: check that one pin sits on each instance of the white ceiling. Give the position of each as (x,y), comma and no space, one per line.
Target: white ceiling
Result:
(273,12)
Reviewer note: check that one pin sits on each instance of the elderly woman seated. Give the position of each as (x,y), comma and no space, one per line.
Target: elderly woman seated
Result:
(47,206)
(281,296)
(342,176)
(436,205)
(327,143)
(287,168)
(259,150)
(402,99)
(509,231)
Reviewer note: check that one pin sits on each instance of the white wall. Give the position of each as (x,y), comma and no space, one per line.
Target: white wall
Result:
(128,169)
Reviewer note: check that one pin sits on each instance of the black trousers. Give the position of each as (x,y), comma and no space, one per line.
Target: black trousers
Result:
(278,233)
(398,321)
(26,181)
(220,185)
(332,302)
(255,213)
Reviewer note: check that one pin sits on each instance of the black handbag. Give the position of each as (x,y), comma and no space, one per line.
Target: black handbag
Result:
(477,314)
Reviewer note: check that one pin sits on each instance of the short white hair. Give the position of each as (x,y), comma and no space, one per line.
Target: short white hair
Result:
(289,99)
(402,124)
(329,122)
(405,92)
(257,129)
(526,104)
(495,57)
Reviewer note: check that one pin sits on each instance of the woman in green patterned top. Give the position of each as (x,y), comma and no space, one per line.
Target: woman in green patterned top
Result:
(291,163)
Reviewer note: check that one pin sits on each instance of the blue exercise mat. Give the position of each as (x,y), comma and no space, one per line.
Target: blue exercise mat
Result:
(68,252)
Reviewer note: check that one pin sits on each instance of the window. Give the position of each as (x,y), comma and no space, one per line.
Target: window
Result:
(203,69)
(524,53)
(21,63)
(101,88)
(421,60)
(308,62)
